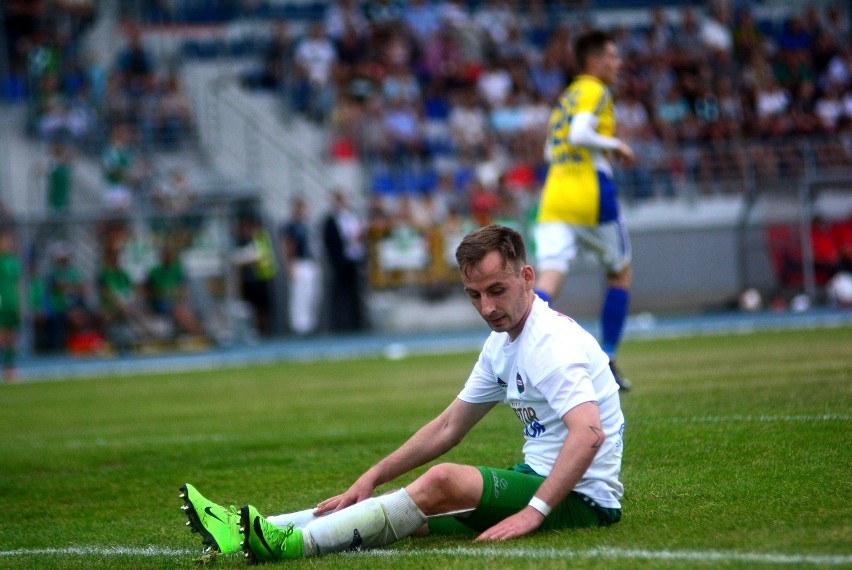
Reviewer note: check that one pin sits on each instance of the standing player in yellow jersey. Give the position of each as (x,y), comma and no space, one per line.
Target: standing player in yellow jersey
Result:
(579,202)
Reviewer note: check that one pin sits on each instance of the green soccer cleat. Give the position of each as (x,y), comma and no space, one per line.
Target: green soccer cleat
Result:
(265,542)
(219,527)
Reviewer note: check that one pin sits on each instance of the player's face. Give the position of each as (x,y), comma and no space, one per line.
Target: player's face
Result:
(609,64)
(502,295)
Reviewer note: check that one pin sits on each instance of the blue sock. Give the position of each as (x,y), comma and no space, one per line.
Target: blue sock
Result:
(544,296)
(613,317)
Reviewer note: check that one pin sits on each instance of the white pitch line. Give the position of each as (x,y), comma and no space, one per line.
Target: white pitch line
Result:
(490,552)
(145,551)
(627,554)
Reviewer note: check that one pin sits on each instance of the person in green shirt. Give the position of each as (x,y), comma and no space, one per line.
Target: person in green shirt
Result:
(120,310)
(168,292)
(59,180)
(10,301)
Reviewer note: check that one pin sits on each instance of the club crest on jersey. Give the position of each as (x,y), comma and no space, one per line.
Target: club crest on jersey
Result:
(501,382)
(520,383)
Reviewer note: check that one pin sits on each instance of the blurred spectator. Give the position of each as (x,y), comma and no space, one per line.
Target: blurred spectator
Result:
(685,51)
(315,60)
(118,167)
(303,271)
(60,178)
(343,234)
(795,36)
(400,83)
(771,102)
(174,202)
(404,133)
(748,39)
(10,301)
(829,108)
(468,125)
(547,76)
(716,31)
(134,64)
(121,307)
(343,14)
(68,311)
(168,294)
(171,119)
(494,83)
(255,258)
(836,25)
(673,110)
(276,60)
(422,18)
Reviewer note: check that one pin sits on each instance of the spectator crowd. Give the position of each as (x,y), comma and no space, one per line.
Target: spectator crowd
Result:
(444,103)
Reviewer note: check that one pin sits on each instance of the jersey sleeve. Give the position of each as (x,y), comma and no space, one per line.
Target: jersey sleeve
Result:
(482,385)
(567,387)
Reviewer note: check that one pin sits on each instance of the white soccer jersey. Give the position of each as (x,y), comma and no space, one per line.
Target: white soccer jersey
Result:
(553,366)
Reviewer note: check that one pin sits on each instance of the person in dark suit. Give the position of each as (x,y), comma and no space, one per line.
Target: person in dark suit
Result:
(343,240)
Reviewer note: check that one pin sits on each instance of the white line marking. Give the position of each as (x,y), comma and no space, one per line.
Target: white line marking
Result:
(146,551)
(623,553)
(489,552)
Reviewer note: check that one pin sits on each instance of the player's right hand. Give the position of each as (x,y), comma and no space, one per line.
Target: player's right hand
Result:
(625,153)
(359,491)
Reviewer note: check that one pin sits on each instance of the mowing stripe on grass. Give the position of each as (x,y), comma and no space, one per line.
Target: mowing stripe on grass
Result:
(486,552)
(134,441)
(760,419)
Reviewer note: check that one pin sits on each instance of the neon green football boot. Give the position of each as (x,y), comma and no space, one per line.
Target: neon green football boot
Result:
(219,527)
(265,542)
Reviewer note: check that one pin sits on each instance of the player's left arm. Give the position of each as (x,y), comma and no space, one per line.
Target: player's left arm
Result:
(585,437)
(583,133)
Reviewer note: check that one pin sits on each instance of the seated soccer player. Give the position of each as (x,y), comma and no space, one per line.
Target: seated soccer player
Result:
(557,380)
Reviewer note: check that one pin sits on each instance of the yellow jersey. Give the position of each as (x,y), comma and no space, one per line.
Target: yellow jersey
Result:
(579,188)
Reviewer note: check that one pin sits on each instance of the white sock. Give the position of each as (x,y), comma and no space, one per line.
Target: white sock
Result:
(377,521)
(298,519)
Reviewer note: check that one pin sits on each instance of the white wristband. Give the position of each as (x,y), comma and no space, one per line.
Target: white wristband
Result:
(540,506)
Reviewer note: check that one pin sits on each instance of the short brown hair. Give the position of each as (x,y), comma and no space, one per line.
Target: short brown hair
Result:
(479,243)
(590,44)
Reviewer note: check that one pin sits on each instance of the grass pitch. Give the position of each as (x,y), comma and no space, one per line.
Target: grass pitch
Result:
(736,455)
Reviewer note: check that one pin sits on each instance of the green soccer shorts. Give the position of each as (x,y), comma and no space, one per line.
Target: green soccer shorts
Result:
(507,491)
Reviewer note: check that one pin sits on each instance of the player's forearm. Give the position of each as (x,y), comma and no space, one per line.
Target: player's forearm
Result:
(567,472)
(428,443)
(578,451)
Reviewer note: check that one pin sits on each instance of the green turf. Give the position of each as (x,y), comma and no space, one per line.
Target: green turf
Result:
(735,445)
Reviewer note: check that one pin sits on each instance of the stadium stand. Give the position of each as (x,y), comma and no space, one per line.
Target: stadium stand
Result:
(431,112)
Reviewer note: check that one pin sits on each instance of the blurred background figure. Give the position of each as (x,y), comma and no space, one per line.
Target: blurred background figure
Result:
(255,258)
(10,301)
(343,238)
(59,179)
(303,272)
(120,305)
(67,300)
(167,293)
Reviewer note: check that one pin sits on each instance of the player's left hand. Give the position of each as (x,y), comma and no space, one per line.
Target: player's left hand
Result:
(523,522)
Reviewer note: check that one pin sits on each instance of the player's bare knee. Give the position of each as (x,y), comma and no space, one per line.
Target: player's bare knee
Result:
(440,489)
(622,279)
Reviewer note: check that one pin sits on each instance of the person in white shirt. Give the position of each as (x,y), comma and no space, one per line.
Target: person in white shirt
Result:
(555,378)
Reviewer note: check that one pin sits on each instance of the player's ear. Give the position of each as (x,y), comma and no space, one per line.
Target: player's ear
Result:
(528,275)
